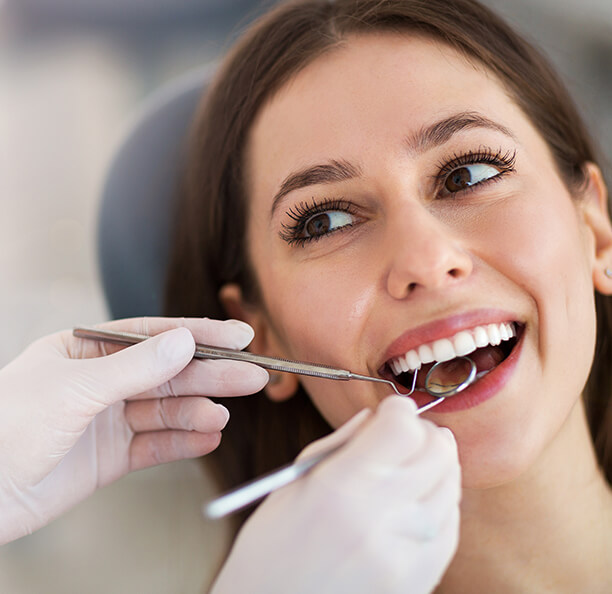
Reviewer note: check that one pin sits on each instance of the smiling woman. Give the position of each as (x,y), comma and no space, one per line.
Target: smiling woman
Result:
(380,186)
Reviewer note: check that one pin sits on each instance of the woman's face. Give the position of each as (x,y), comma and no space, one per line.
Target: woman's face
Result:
(398,197)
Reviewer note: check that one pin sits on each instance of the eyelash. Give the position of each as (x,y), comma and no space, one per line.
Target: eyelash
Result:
(301,213)
(484,156)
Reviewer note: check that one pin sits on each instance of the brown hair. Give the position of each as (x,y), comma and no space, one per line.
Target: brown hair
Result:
(210,245)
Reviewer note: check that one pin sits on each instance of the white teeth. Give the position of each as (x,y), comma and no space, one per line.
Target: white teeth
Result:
(481,337)
(425,354)
(464,343)
(459,345)
(413,360)
(443,350)
(494,334)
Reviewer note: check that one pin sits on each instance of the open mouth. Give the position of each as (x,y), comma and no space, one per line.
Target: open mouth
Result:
(488,346)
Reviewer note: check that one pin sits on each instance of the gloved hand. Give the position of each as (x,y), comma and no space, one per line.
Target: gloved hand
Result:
(380,515)
(73,420)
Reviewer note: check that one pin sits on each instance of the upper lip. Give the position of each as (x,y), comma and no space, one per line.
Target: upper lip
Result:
(443,328)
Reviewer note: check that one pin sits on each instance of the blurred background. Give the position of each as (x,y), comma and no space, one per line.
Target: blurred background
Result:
(72,75)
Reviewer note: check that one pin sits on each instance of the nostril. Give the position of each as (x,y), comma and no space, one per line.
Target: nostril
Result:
(408,275)
(453,273)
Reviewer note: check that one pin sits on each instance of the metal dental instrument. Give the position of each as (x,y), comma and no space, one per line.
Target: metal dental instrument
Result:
(444,379)
(209,352)
(450,377)
(438,383)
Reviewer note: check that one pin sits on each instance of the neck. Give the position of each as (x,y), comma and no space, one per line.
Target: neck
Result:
(548,531)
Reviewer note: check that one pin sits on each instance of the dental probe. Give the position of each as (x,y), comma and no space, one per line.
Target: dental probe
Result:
(257,489)
(209,352)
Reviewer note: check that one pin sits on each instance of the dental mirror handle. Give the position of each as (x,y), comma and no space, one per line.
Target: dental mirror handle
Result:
(203,351)
(257,489)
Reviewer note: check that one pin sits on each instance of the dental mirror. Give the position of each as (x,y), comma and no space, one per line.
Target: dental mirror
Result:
(447,378)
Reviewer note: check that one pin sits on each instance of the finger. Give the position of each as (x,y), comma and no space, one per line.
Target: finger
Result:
(212,378)
(448,537)
(392,437)
(232,334)
(399,482)
(420,477)
(186,414)
(424,519)
(159,447)
(339,436)
(425,561)
(133,370)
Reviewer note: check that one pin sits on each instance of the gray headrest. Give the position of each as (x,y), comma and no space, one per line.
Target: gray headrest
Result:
(136,205)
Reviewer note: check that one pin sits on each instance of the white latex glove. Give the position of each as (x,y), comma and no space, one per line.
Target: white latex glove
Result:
(66,427)
(380,515)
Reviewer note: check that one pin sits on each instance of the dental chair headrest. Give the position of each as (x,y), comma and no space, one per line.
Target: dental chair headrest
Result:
(136,204)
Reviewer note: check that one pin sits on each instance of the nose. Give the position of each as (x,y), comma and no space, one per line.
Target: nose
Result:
(424,254)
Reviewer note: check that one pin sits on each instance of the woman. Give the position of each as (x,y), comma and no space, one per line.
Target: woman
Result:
(375,183)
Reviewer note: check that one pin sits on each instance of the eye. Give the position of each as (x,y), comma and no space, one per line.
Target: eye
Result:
(326,222)
(467,176)
(315,220)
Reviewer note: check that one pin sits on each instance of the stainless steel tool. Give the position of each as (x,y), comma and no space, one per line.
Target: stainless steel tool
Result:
(439,383)
(210,352)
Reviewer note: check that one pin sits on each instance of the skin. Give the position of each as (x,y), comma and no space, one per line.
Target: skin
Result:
(414,255)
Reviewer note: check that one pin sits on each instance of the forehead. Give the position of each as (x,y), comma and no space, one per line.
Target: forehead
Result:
(360,95)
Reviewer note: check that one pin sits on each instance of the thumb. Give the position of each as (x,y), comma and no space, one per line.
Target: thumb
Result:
(140,367)
(340,436)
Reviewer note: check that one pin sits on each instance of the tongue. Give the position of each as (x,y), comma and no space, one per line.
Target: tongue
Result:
(485,358)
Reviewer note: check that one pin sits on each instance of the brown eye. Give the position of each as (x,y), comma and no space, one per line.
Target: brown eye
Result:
(317,225)
(458,180)
(316,220)
(467,176)
(327,222)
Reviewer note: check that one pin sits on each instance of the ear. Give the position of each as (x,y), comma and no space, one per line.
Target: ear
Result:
(597,219)
(281,386)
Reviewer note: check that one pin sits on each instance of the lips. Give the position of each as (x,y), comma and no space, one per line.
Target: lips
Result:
(489,345)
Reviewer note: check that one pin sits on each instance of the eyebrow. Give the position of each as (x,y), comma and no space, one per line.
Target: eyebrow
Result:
(423,140)
(326,173)
(436,134)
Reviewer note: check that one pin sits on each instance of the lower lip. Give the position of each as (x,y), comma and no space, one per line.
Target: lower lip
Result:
(479,392)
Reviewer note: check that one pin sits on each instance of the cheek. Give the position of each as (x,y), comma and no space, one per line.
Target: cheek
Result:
(318,311)
(539,244)
(547,254)
(320,316)
(339,401)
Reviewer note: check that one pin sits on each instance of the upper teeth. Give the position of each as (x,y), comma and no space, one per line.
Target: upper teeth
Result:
(459,345)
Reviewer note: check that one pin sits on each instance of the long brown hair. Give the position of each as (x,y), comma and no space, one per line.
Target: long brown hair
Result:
(210,250)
